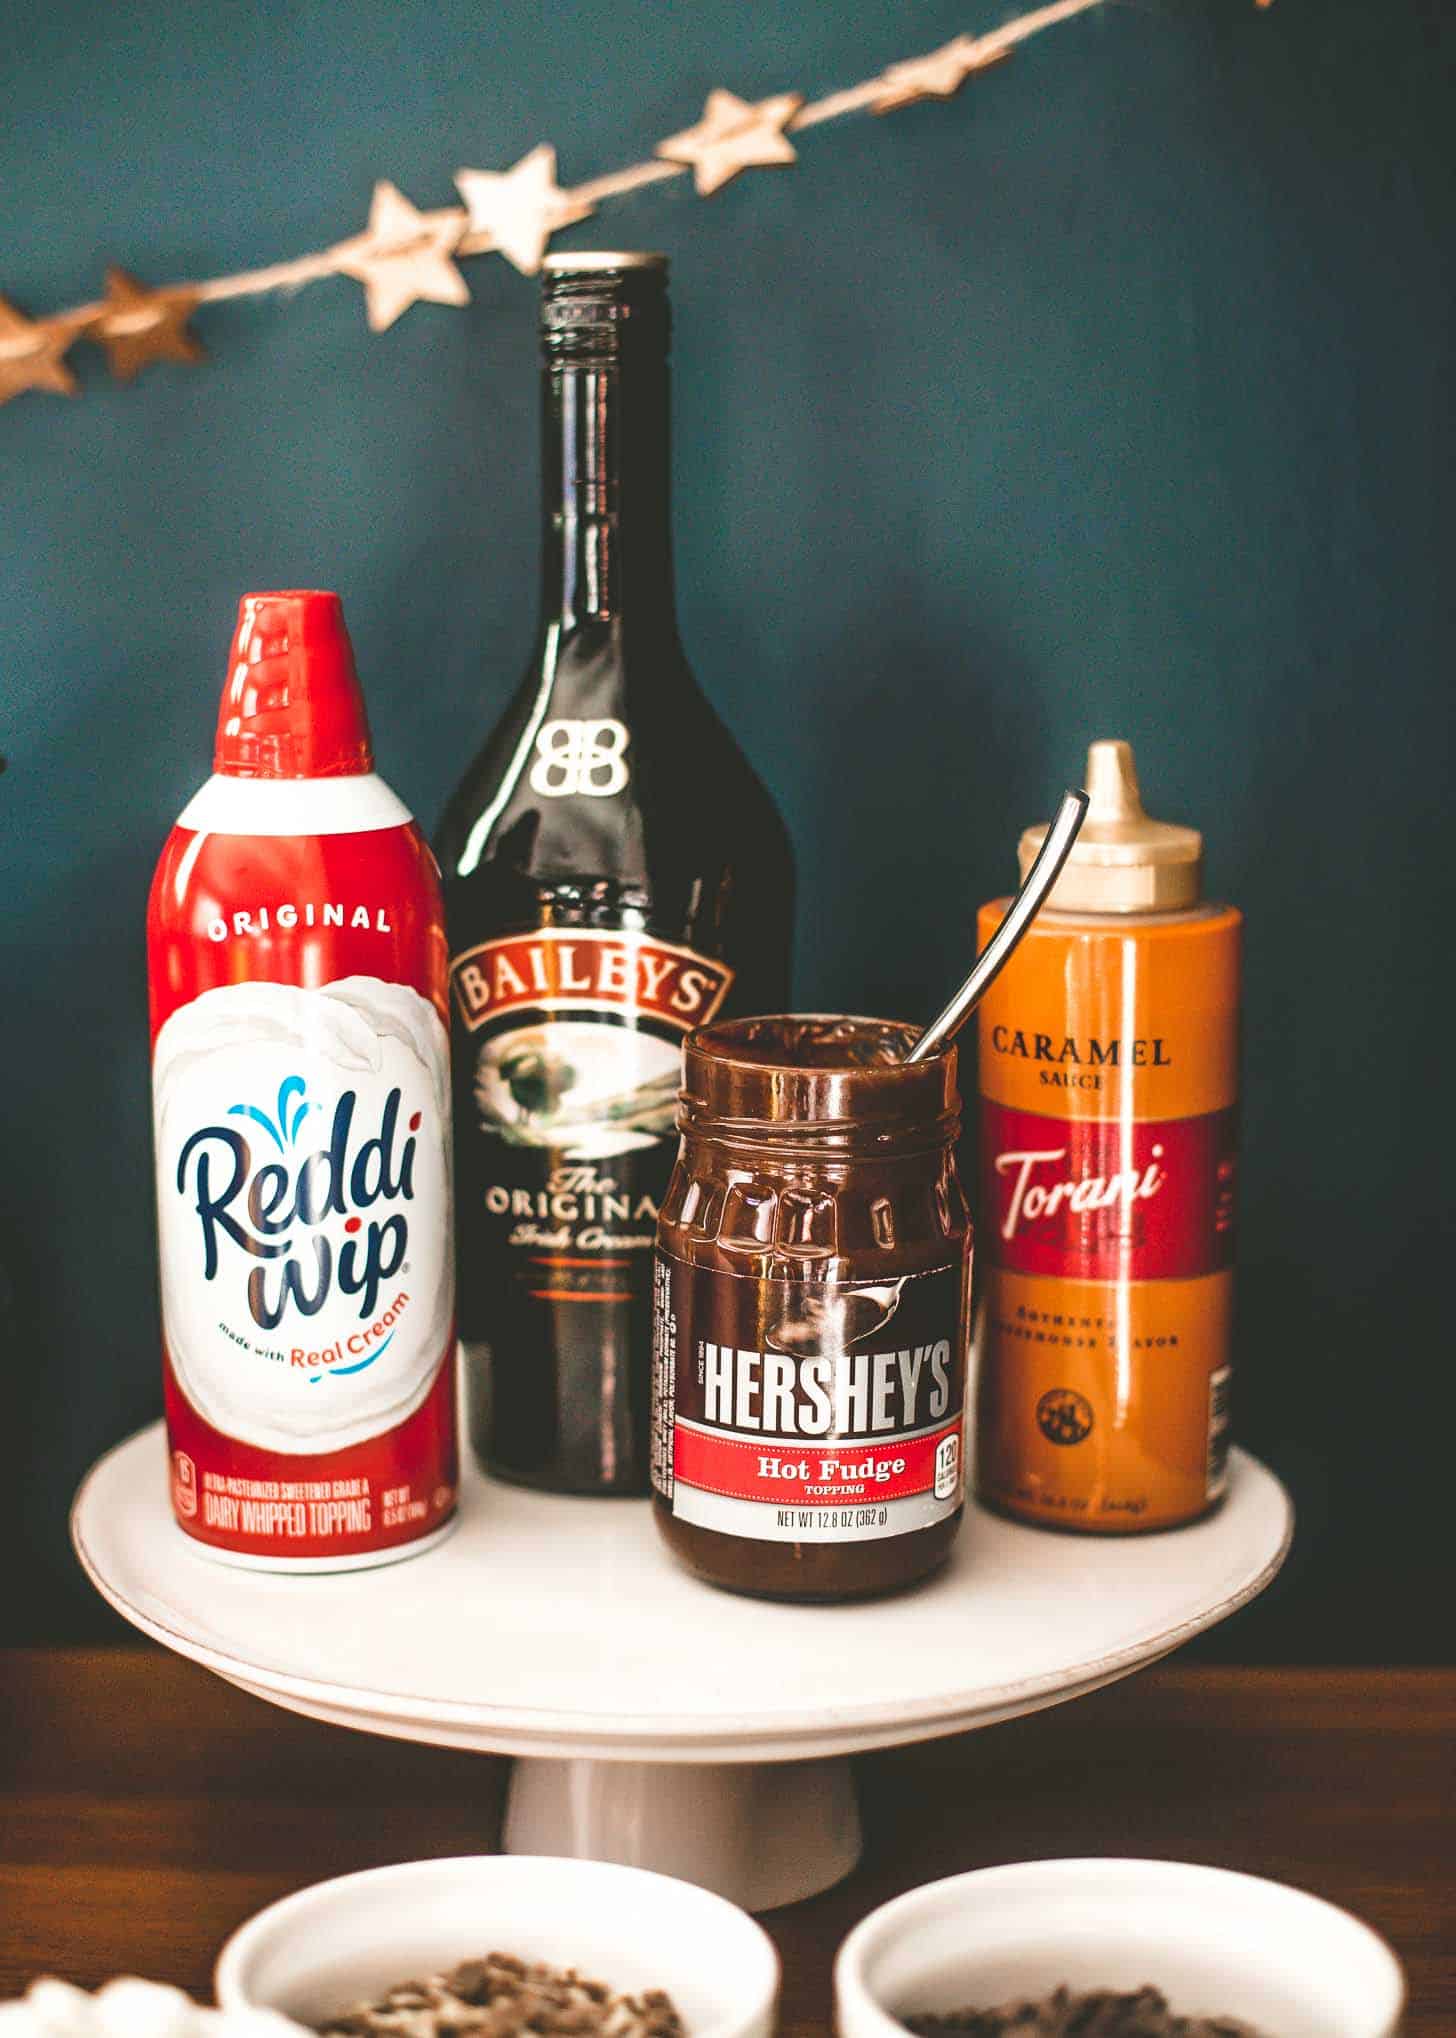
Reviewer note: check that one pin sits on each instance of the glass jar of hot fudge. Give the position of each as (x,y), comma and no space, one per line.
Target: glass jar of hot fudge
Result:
(811,1311)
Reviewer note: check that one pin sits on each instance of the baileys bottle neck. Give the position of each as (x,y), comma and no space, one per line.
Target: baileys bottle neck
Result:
(606,541)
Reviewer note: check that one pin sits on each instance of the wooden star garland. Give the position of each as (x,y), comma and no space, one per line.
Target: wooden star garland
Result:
(733,135)
(403,257)
(519,209)
(406,256)
(137,325)
(937,76)
(33,351)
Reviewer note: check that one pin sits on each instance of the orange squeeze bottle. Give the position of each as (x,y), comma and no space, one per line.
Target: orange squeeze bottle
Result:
(1108,1076)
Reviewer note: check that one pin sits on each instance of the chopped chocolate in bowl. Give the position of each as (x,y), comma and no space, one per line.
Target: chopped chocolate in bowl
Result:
(500,1996)
(1102,2013)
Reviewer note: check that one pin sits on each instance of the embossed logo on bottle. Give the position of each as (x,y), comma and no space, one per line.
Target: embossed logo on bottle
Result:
(581,757)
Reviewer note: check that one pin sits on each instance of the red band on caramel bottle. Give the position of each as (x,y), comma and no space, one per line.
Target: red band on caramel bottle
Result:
(811,1311)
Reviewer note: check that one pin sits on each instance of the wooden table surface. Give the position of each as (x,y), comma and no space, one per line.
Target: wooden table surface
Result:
(148,1808)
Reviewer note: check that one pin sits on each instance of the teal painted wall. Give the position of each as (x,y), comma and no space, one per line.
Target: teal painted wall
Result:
(1114,398)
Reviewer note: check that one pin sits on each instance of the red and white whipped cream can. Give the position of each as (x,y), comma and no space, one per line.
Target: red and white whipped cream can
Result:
(301,1108)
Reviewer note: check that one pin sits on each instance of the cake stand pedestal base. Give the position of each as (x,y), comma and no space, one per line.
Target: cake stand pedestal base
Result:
(760,1835)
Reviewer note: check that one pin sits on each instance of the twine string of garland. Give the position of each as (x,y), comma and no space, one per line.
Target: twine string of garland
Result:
(405,255)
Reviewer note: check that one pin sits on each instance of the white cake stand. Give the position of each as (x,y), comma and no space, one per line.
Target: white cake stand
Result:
(655,1721)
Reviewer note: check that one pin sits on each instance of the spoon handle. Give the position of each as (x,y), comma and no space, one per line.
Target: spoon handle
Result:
(1020,913)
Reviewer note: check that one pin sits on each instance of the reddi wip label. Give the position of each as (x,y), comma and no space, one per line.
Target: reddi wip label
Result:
(303,1208)
(807,1412)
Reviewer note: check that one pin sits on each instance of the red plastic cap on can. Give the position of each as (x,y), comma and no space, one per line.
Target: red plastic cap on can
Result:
(292,707)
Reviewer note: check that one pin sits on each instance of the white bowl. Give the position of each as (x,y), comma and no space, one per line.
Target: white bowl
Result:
(1212,1941)
(337,1943)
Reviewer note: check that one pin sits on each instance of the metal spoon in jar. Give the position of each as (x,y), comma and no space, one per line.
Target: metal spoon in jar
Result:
(1019,916)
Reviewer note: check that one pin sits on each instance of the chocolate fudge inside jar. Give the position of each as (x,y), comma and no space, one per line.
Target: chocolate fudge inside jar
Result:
(811,1317)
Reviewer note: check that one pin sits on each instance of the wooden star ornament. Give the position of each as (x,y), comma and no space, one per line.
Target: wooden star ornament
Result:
(403,256)
(937,76)
(139,325)
(32,353)
(522,207)
(733,135)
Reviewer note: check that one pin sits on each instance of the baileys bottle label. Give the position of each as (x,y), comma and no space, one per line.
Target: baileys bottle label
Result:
(571,1040)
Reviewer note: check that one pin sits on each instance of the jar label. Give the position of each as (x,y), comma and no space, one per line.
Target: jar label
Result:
(808,1411)
(1108,1199)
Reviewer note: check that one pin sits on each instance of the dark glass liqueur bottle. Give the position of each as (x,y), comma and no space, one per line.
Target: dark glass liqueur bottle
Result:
(615,874)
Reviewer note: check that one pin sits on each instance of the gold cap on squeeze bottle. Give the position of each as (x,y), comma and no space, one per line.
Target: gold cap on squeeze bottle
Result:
(1122,860)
